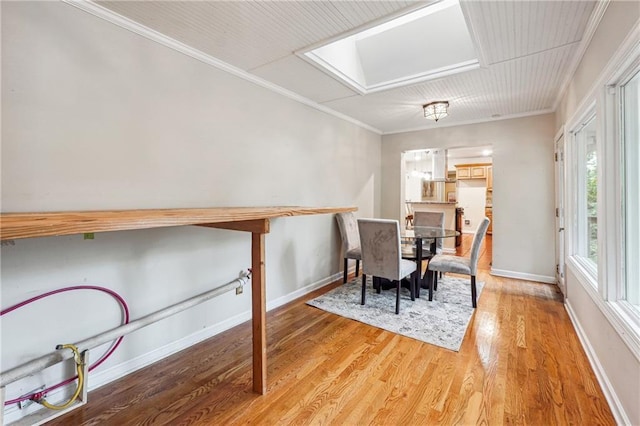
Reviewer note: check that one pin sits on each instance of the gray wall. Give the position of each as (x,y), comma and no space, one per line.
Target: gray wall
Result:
(616,364)
(523,188)
(96,117)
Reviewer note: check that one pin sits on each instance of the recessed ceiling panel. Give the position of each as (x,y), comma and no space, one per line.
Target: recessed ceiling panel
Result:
(427,43)
(438,41)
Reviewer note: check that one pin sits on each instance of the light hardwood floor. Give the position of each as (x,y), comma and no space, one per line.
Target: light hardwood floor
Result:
(520,363)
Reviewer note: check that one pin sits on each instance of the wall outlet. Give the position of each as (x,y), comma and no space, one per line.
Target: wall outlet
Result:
(467,222)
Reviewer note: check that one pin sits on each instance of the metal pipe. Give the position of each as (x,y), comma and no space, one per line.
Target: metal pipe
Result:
(53,358)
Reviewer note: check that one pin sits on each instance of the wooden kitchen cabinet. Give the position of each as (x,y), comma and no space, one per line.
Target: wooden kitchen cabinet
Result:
(463,173)
(489,178)
(488,212)
(478,172)
(472,171)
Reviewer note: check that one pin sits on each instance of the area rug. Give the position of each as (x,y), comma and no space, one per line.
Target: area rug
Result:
(442,322)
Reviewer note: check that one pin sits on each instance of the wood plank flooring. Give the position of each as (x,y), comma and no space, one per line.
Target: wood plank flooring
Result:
(520,363)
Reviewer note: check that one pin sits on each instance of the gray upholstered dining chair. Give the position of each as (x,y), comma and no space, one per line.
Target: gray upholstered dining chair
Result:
(435,219)
(458,264)
(382,256)
(350,241)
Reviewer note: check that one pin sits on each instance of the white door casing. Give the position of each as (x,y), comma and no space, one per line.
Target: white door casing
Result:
(559,213)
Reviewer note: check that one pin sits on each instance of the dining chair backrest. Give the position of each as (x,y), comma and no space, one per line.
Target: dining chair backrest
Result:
(348,231)
(380,245)
(481,231)
(435,219)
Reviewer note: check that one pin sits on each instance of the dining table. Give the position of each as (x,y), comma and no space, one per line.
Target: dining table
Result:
(418,235)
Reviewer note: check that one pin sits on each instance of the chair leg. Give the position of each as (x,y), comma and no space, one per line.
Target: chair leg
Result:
(435,280)
(412,286)
(357,267)
(397,297)
(344,274)
(473,291)
(364,288)
(431,278)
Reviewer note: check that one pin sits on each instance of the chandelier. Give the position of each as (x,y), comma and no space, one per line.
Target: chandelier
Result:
(436,110)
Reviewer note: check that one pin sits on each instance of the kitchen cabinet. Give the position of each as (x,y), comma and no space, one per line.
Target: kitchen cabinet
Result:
(488,212)
(478,172)
(489,178)
(463,173)
(472,171)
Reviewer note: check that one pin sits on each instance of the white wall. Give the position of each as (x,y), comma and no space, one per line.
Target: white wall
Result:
(97,117)
(616,365)
(523,200)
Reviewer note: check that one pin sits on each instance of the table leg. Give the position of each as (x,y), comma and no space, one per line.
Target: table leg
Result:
(419,265)
(258,309)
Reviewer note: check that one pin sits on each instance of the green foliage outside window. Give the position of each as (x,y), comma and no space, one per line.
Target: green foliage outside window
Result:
(592,204)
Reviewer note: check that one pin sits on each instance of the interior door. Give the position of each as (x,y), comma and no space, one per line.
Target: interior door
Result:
(559,222)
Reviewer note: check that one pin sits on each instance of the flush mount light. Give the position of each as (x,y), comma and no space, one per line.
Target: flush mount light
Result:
(436,110)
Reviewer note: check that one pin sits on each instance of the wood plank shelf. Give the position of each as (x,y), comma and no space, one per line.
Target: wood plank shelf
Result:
(15,226)
(255,220)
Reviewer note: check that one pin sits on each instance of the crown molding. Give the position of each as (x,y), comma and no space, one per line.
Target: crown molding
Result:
(623,54)
(589,31)
(137,28)
(464,123)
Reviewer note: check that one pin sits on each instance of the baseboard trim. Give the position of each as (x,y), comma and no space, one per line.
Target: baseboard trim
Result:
(104,377)
(101,378)
(283,300)
(609,393)
(523,276)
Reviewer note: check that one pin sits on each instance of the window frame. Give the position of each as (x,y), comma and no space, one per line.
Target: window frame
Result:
(607,287)
(616,294)
(575,206)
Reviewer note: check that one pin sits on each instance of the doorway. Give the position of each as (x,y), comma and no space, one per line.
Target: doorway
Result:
(458,180)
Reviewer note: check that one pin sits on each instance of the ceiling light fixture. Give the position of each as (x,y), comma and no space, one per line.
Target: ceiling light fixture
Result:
(436,110)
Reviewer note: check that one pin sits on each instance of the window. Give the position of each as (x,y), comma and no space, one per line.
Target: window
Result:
(603,194)
(630,111)
(585,222)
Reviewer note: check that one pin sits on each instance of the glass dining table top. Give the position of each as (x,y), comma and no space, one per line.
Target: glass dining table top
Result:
(429,232)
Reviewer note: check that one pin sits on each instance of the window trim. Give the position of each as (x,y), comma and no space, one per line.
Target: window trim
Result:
(574,205)
(604,95)
(616,294)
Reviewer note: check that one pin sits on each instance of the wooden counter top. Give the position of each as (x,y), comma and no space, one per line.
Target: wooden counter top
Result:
(249,219)
(46,224)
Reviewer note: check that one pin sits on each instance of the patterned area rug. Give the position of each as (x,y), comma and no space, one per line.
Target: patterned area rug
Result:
(442,322)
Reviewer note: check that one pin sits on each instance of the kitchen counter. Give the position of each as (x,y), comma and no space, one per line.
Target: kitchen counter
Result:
(432,202)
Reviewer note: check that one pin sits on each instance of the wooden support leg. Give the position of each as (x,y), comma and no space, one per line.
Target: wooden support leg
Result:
(259,309)
(344,274)
(364,288)
(357,267)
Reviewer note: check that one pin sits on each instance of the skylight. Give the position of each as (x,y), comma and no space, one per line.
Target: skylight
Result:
(422,45)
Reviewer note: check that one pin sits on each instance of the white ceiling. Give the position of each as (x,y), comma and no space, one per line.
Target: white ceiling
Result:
(527,50)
